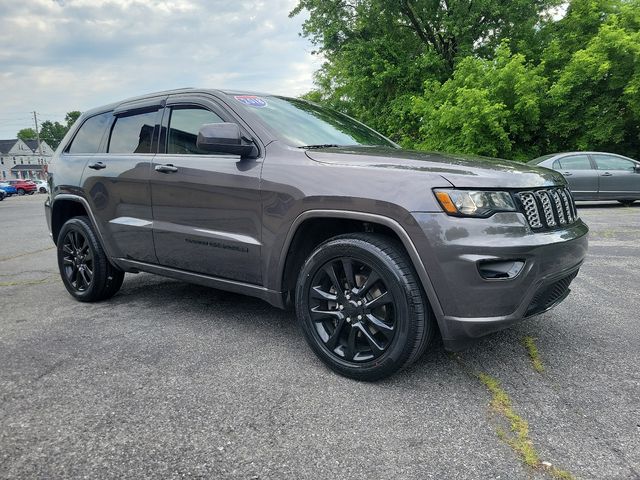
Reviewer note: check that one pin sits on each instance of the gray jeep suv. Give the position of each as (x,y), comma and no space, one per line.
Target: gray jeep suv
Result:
(375,247)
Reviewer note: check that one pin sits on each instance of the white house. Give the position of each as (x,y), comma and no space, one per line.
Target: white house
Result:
(24,159)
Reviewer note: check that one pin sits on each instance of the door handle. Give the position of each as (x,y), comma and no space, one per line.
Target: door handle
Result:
(566,174)
(97,166)
(607,174)
(168,168)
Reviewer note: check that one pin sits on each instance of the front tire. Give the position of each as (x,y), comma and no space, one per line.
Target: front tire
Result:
(21,191)
(84,267)
(361,307)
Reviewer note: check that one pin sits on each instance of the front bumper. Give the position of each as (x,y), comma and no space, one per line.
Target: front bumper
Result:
(471,306)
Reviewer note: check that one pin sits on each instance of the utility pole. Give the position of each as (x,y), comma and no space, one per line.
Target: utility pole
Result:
(35,120)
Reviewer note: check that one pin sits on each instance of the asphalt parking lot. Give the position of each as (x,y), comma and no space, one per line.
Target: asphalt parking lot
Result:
(173,380)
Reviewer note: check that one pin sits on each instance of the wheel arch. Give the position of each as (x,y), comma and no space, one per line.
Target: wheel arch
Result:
(313,227)
(66,206)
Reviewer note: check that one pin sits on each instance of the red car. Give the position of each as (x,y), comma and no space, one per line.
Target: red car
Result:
(23,186)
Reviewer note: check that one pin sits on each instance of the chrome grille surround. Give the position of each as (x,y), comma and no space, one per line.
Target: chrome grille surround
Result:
(548,208)
(559,209)
(528,200)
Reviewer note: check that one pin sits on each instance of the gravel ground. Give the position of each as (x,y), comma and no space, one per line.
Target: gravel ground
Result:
(173,380)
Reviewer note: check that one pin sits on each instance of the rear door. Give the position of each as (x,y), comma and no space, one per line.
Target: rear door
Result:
(581,175)
(618,177)
(206,206)
(116,182)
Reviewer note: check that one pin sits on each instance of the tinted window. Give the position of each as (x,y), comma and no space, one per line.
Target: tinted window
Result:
(88,138)
(133,133)
(575,162)
(184,125)
(605,162)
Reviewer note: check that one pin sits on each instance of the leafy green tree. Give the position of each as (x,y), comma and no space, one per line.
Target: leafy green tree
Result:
(488,107)
(27,134)
(483,76)
(71,118)
(54,132)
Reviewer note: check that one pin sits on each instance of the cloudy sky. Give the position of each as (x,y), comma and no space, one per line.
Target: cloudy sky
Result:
(62,55)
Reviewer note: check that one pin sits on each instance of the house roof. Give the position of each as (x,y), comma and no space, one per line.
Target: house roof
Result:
(32,144)
(6,145)
(22,167)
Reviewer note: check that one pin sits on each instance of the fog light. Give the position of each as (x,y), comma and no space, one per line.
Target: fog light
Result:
(500,269)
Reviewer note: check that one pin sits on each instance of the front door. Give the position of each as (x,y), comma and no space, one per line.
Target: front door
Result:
(580,174)
(206,206)
(618,177)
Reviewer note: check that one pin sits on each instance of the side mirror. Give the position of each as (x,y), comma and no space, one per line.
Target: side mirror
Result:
(636,168)
(224,138)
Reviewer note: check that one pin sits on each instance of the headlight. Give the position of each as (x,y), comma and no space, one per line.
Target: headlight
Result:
(474,203)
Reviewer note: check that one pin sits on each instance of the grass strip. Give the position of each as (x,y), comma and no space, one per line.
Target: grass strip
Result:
(530,344)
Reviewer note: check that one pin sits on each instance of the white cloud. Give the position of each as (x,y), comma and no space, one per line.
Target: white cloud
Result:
(66,55)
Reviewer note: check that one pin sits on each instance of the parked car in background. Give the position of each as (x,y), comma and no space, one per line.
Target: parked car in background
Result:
(596,175)
(42,186)
(2,194)
(8,189)
(23,186)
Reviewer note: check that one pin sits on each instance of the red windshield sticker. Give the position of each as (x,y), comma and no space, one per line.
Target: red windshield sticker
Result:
(251,100)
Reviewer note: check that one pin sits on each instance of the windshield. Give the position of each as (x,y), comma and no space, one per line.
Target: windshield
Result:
(303,124)
(538,160)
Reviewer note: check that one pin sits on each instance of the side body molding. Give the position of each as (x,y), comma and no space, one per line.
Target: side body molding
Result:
(373,218)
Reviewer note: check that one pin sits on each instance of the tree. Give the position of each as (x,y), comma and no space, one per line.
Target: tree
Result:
(483,76)
(488,107)
(27,134)
(54,132)
(596,98)
(71,118)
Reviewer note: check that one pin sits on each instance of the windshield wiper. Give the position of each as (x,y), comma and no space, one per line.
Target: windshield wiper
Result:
(326,145)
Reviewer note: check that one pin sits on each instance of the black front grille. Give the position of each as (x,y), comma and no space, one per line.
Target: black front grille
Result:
(549,295)
(548,208)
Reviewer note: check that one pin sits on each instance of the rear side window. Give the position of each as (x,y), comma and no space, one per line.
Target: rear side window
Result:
(184,126)
(133,133)
(89,135)
(575,162)
(605,162)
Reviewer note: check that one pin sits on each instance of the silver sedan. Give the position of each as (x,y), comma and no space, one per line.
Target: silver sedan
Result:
(596,175)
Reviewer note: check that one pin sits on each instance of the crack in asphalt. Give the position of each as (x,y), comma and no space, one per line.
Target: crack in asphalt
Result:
(4,259)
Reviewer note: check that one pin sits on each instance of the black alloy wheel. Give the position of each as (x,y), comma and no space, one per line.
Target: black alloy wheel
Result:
(361,306)
(352,309)
(85,269)
(77,260)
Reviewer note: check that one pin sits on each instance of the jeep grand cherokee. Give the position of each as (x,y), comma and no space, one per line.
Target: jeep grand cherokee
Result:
(374,246)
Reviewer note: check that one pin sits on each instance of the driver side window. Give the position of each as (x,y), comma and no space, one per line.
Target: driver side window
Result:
(184,124)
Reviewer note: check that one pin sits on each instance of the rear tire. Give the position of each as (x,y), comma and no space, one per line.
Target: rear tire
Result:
(626,203)
(84,267)
(361,306)
(43,190)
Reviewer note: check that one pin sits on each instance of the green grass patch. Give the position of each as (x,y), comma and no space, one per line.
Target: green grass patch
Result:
(517,435)
(534,355)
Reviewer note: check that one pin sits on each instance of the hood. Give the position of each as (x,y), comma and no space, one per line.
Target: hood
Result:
(463,171)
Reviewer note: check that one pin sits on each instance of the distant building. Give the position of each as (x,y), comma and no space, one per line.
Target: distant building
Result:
(23,159)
